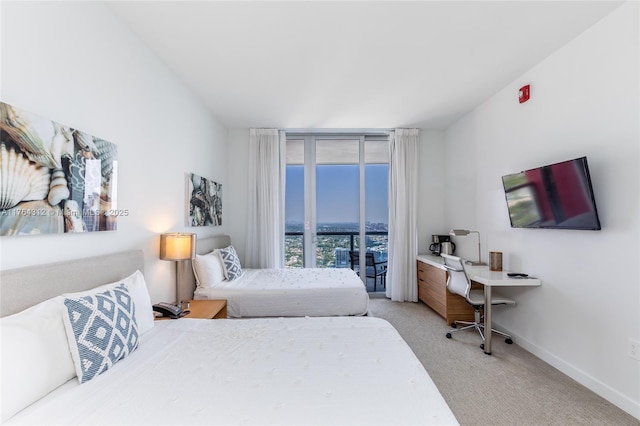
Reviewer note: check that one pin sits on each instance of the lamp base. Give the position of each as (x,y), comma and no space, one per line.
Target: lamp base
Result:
(469,262)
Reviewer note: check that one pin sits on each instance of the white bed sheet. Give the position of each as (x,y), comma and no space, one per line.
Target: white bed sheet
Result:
(285,371)
(291,293)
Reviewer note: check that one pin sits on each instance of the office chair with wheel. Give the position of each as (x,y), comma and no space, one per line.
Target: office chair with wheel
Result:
(458,283)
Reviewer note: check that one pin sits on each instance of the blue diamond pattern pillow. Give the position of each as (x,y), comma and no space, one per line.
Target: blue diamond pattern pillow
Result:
(232,268)
(101,330)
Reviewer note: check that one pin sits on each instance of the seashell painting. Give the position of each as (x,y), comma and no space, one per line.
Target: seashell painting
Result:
(17,126)
(72,218)
(32,218)
(107,152)
(205,203)
(20,178)
(58,189)
(54,178)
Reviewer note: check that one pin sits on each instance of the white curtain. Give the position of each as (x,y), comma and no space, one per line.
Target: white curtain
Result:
(403,215)
(265,227)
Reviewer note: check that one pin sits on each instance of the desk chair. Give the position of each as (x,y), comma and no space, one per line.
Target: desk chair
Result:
(458,282)
(374,268)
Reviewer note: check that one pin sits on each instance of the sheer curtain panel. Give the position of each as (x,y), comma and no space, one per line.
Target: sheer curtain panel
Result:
(403,215)
(265,227)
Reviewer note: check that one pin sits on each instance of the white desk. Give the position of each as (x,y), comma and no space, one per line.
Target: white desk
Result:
(481,274)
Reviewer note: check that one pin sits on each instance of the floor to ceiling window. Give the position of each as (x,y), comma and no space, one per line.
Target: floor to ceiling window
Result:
(336,197)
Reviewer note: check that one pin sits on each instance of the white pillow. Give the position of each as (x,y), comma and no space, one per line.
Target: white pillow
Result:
(208,269)
(139,293)
(35,355)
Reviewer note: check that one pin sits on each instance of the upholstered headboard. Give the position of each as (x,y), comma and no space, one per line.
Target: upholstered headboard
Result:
(21,288)
(24,287)
(203,246)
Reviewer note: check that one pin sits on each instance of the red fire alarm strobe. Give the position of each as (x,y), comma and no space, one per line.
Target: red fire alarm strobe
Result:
(523,94)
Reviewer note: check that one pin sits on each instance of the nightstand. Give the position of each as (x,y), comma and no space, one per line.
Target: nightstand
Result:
(205,309)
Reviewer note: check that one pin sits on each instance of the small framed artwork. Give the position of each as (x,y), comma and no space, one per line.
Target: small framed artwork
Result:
(205,201)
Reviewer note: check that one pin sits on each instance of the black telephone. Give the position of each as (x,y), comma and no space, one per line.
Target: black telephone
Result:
(169,310)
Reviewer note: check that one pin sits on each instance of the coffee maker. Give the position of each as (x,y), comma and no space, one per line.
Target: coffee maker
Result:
(436,244)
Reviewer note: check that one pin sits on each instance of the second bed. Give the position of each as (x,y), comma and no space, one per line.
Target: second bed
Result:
(295,292)
(291,293)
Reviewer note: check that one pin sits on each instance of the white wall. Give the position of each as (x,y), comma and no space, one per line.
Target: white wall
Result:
(431,189)
(238,184)
(584,101)
(74,63)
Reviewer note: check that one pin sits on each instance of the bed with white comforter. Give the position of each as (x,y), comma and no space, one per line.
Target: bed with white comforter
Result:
(284,371)
(290,292)
(80,352)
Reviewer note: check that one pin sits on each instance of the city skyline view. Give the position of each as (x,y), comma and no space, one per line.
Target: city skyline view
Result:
(337,213)
(337,194)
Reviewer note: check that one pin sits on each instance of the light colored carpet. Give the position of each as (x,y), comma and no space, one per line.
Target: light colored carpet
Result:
(509,387)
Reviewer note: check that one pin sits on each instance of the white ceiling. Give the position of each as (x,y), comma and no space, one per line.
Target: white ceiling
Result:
(358,64)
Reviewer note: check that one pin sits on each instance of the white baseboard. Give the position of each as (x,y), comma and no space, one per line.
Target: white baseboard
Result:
(616,398)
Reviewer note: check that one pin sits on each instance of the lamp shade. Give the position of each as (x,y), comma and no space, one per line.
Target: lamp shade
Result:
(177,246)
(463,232)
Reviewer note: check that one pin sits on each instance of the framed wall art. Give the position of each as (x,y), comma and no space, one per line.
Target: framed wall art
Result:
(54,178)
(205,201)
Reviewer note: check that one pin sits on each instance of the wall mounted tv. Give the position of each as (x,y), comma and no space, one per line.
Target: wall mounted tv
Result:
(557,196)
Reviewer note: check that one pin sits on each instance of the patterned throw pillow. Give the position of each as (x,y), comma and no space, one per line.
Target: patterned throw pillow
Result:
(232,268)
(101,330)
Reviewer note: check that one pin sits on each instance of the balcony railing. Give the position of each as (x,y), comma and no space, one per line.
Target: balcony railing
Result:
(332,247)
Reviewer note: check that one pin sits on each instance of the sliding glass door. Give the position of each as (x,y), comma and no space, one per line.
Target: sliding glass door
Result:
(337,194)
(336,197)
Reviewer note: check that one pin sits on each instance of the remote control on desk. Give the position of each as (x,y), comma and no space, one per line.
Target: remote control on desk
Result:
(517,275)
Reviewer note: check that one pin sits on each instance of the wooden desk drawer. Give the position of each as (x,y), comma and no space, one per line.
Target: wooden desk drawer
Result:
(429,296)
(436,293)
(436,275)
(432,290)
(422,271)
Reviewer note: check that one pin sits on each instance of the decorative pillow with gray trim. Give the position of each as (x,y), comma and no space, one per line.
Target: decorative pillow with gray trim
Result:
(231,262)
(101,330)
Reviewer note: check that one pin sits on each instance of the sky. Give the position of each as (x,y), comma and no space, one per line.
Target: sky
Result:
(337,190)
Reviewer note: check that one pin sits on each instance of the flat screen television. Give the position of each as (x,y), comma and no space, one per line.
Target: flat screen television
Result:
(557,196)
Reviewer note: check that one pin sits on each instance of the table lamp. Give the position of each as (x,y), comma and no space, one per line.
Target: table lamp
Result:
(178,247)
(464,232)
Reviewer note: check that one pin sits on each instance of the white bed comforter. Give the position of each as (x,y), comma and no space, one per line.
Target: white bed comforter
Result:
(291,293)
(285,371)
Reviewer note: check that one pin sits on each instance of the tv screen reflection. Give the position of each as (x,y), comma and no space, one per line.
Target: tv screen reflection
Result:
(554,196)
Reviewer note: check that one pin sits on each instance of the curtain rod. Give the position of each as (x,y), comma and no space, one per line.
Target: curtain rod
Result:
(339,132)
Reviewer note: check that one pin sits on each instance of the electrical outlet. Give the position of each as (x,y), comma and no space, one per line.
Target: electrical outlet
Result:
(634,349)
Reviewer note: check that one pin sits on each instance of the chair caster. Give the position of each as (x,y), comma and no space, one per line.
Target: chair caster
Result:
(508,341)
(482,346)
(448,335)
(454,325)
